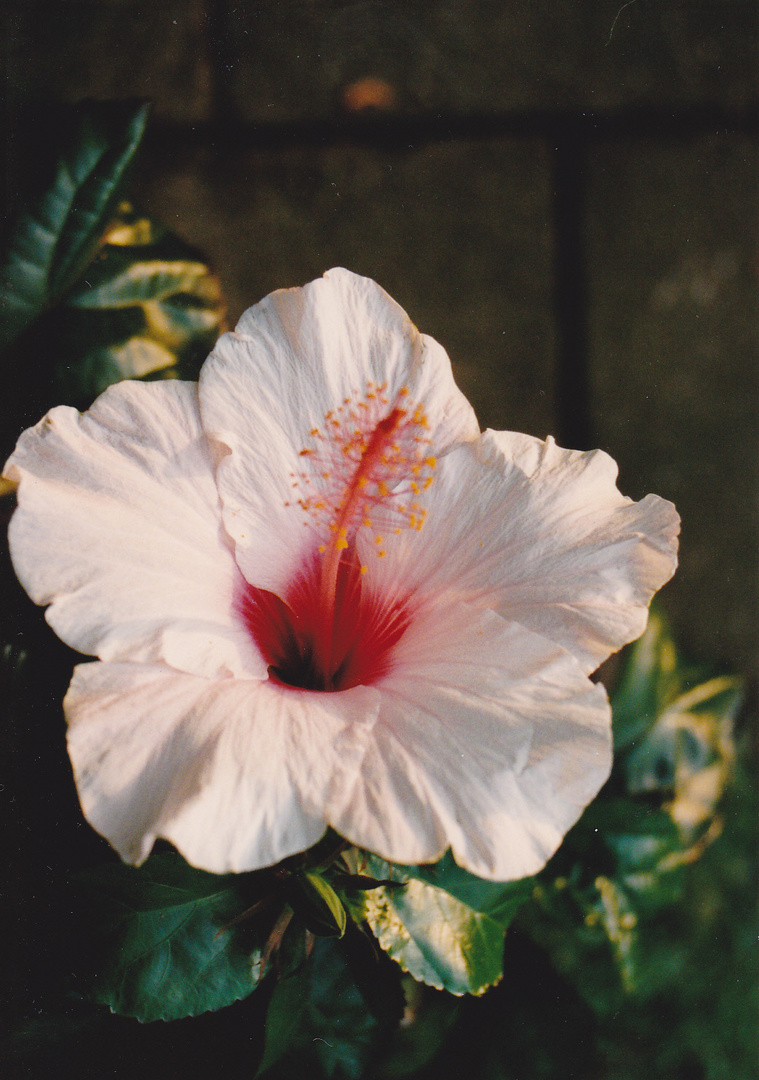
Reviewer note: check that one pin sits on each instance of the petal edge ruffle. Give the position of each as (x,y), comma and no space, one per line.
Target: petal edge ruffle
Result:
(490,740)
(118,528)
(542,536)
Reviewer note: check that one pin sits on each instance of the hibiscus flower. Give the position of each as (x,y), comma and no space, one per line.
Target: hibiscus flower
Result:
(319,596)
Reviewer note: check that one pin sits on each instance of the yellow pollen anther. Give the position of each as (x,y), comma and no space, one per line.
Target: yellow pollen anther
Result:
(370,463)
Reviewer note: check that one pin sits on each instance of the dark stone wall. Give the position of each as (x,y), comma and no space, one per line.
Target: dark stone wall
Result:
(563,193)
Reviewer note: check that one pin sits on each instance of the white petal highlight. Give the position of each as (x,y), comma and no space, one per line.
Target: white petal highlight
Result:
(235,773)
(294,358)
(542,536)
(118,528)
(490,740)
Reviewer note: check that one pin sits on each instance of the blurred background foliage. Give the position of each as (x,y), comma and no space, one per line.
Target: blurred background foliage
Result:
(92,291)
(634,953)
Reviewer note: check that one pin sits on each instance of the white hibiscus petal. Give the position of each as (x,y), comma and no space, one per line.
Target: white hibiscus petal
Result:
(118,528)
(542,536)
(490,740)
(294,358)
(235,773)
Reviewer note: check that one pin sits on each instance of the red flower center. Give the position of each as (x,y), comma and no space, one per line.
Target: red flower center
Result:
(369,467)
(306,644)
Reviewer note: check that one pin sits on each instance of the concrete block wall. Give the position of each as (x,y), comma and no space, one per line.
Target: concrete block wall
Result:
(563,193)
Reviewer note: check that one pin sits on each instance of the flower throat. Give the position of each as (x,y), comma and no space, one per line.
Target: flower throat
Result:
(367,469)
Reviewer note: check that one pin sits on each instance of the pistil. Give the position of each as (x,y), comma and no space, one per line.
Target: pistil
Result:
(373,459)
(368,468)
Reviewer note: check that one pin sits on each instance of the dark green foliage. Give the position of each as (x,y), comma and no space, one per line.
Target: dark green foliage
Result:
(92,292)
(55,238)
(147,306)
(323,1020)
(318,905)
(160,944)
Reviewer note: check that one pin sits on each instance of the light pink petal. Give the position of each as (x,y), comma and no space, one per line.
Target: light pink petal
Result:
(235,773)
(490,740)
(542,536)
(292,359)
(118,528)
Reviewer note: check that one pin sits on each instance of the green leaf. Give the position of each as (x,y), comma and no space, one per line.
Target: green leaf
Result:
(687,756)
(161,945)
(143,309)
(133,283)
(285,1019)
(650,675)
(319,1022)
(315,902)
(498,900)
(57,236)
(620,923)
(624,866)
(448,934)
(590,932)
